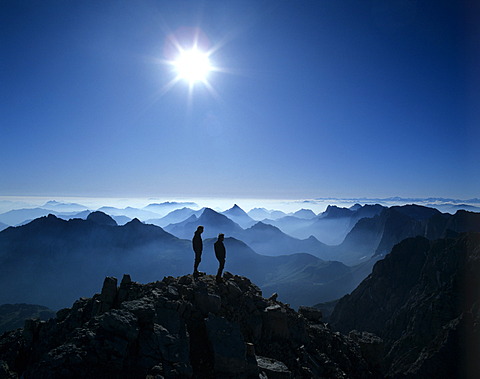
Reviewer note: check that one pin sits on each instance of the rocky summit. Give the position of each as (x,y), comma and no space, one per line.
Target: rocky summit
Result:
(186,327)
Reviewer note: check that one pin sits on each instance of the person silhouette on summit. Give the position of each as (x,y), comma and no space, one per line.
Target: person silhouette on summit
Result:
(220,253)
(197,244)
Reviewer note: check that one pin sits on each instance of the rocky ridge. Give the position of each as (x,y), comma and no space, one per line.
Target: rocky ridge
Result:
(423,300)
(182,328)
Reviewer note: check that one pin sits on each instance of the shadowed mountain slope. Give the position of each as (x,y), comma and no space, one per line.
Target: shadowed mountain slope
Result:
(376,236)
(213,222)
(269,240)
(174,217)
(52,261)
(238,215)
(423,299)
(329,227)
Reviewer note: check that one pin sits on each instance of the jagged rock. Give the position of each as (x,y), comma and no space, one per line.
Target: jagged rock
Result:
(422,300)
(273,369)
(228,345)
(108,294)
(311,314)
(5,372)
(276,322)
(273,297)
(371,347)
(126,280)
(208,302)
(181,328)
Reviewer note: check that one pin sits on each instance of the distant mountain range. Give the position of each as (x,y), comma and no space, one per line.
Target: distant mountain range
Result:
(107,247)
(53,251)
(51,261)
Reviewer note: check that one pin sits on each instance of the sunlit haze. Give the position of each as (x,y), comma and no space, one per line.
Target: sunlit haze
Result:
(193,65)
(239,99)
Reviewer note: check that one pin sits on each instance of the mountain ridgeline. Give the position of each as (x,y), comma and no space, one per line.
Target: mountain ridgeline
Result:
(423,300)
(415,315)
(38,258)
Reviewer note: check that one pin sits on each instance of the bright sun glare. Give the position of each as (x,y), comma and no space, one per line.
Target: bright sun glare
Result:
(193,66)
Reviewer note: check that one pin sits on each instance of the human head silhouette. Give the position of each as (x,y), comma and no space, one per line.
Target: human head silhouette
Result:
(199,229)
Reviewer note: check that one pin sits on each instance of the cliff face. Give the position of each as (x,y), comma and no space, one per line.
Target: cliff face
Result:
(423,299)
(185,327)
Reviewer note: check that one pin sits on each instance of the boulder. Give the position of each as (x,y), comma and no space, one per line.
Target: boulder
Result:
(228,345)
(273,369)
(310,313)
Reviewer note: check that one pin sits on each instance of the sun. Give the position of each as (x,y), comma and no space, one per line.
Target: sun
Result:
(192,66)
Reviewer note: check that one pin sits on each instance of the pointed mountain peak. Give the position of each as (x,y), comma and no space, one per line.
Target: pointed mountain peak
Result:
(264,226)
(134,222)
(235,211)
(209,212)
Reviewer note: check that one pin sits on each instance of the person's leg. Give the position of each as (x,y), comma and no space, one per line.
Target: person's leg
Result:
(220,269)
(198,259)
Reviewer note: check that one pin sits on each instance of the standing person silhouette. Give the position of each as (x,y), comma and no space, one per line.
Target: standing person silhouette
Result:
(220,254)
(197,244)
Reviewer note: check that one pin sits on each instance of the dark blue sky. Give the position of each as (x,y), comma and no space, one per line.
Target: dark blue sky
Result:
(314,98)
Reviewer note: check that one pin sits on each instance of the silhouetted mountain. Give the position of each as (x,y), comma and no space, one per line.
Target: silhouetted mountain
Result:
(453,208)
(423,300)
(165,208)
(174,217)
(261,214)
(83,215)
(294,226)
(129,212)
(305,213)
(299,279)
(213,222)
(238,215)
(355,207)
(101,219)
(17,216)
(63,207)
(329,227)
(13,316)
(377,235)
(269,240)
(22,216)
(183,328)
(51,261)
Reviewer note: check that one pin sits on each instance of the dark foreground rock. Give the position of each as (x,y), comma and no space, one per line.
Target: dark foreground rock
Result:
(185,328)
(423,300)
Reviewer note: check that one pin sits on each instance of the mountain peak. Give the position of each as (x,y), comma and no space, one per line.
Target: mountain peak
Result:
(209,212)
(101,218)
(305,213)
(134,222)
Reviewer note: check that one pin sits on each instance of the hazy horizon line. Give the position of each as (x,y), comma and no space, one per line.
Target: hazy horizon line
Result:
(317,205)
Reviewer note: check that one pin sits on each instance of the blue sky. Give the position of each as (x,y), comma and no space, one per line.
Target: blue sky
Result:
(314,99)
